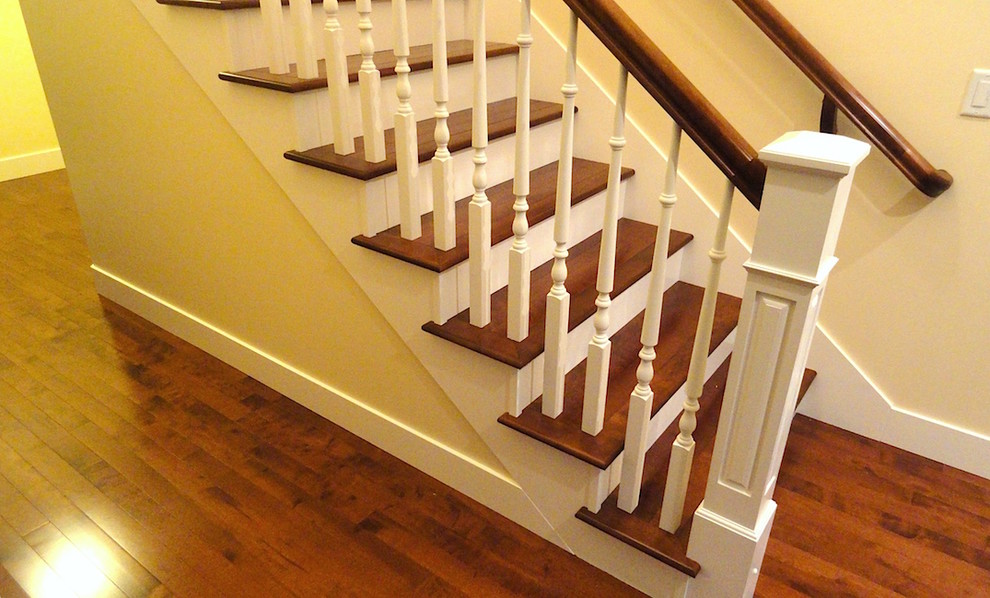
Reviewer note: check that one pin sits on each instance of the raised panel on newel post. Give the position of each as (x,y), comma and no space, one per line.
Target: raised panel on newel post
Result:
(809,176)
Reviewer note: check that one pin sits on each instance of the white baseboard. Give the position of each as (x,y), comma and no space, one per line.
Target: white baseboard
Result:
(16,167)
(843,396)
(491,488)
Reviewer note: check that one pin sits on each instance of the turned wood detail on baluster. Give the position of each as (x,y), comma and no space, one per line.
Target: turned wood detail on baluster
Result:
(641,399)
(337,83)
(370,82)
(480,209)
(600,347)
(301,15)
(406,140)
(682,453)
(444,226)
(558,299)
(273,31)
(519,256)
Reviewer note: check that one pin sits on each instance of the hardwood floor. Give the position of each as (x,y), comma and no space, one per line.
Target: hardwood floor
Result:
(133,464)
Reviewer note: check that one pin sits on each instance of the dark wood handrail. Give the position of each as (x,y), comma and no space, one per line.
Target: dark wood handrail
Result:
(678,96)
(837,88)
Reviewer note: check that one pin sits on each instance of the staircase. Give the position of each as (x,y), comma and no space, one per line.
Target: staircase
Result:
(607,393)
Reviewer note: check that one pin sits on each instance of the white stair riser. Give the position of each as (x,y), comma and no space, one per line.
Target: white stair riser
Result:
(382,194)
(312,108)
(247,45)
(624,308)
(608,480)
(452,285)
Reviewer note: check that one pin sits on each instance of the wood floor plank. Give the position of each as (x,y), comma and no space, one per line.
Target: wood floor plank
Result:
(9,588)
(79,572)
(26,568)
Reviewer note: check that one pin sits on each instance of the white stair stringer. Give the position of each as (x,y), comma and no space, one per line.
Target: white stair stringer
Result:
(477,385)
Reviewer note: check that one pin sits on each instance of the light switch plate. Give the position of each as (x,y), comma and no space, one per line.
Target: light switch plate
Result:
(977,101)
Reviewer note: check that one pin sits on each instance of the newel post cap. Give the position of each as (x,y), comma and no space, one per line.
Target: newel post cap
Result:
(810,150)
(809,176)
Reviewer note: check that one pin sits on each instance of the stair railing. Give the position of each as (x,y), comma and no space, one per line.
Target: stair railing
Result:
(803,195)
(841,94)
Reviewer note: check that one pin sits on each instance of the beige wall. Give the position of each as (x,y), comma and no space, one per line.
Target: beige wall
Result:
(173,202)
(26,129)
(908,301)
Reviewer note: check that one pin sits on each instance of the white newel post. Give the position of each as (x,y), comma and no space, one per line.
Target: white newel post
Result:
(808,180)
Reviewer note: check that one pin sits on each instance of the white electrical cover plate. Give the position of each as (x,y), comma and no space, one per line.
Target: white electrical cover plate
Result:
(977,101)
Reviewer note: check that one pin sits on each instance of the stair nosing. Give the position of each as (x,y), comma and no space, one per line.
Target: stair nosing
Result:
(390,242)
(421,59)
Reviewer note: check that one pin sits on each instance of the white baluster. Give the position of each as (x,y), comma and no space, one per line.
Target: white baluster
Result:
(370,82)
(558,299)
(301,13)
(444,226)
(682,454)
(406,141)
(600,347)
(519,261)
(480,209)
(641,399)
(337,83)
(274,34)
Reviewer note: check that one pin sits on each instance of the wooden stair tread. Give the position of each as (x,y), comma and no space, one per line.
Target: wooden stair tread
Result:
(420,59)
(225,4)
(641,529)
(589,178)
(679,321)
(501,122)
(634,256)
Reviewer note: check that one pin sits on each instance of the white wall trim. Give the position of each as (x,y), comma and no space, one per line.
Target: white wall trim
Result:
(494,489)
(844,396)
(15,167)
